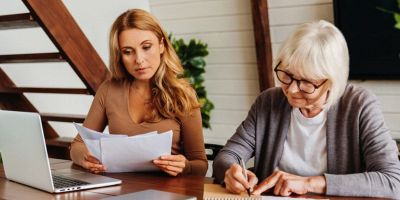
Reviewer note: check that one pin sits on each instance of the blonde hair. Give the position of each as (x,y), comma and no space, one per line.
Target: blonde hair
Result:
(315,51)
(172,97)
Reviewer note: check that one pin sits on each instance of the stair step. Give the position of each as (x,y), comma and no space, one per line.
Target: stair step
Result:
(16,21)
(62,117)
(32,58)
(45,90)
(59,142)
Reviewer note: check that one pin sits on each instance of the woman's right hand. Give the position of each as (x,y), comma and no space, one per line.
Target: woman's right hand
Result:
(235,181)
(81,156)
(91,163)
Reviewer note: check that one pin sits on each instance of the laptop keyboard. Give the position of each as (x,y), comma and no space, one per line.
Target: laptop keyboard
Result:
(64,182)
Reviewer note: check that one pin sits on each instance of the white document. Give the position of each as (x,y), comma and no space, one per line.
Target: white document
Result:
(120,153)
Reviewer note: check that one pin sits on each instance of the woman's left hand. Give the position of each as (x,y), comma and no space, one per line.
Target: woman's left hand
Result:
(285,184)
(171,164)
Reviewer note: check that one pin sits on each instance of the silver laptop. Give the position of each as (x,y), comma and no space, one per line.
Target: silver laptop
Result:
(25,160)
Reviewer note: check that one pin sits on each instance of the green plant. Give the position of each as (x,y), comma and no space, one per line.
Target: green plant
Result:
(192,58)
(396,14)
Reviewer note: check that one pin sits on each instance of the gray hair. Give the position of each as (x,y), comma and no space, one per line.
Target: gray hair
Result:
(317,50)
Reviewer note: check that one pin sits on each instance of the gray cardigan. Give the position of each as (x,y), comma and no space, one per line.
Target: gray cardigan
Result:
(362,157)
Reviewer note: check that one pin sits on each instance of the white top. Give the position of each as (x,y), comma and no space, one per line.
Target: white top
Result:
(304,151)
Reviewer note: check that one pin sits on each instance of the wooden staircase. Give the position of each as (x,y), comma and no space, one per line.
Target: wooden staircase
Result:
(73,48)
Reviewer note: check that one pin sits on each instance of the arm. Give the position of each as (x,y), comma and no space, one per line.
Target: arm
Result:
(194,160)
(382,170)
(193,144)
(240,145)
(96,120)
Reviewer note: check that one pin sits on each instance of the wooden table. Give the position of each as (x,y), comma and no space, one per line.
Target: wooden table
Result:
(131,182)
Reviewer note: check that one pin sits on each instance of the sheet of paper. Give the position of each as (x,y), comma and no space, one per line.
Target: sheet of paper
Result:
(217,192)
(120,153)
(92,139)
(90,134)
(135,154)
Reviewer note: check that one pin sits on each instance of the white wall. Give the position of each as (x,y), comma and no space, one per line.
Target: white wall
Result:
(231,71)
(95,18)
(231,74)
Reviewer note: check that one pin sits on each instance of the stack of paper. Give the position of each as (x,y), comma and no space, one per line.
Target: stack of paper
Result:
(120,153)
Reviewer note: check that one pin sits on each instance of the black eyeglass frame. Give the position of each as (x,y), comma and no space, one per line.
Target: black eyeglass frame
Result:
(276,70)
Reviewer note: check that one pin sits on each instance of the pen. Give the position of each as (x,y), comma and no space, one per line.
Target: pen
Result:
(244,174)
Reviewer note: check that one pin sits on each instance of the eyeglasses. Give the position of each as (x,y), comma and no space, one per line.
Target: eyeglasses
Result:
(303,85)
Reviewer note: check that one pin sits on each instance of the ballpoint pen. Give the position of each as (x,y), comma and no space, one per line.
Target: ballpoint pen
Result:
(244,174)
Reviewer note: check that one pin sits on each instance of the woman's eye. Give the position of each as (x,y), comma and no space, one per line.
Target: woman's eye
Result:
(147,47)
(127,52)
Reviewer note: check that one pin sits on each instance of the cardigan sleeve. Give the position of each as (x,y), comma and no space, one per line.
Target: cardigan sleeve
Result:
(240,146)
(381,177)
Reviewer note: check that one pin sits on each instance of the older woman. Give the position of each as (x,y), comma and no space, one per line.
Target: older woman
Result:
(315,133)
(146,94)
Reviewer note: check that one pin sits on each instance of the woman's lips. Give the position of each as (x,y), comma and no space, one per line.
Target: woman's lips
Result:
(141,69)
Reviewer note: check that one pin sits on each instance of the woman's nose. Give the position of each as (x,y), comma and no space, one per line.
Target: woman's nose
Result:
(139,59)
(293,87)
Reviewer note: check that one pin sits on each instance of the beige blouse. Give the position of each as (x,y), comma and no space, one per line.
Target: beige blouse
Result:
(111,106)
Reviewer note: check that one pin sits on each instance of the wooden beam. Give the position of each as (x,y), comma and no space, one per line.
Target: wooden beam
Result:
(15,21)
(263,43)
(62,117)
(44,90)
(72,43)
(31,58)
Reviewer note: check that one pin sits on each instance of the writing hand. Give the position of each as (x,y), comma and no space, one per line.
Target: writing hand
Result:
(171,164)
(235,181)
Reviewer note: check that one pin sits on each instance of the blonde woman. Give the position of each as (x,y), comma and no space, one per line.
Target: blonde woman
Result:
(146,94)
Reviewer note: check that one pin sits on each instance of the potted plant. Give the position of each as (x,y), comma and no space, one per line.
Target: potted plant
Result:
(192,58)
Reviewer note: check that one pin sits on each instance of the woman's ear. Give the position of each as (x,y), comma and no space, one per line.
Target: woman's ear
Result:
(162,46)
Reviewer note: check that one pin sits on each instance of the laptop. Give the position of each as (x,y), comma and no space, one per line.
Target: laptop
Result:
(25,159)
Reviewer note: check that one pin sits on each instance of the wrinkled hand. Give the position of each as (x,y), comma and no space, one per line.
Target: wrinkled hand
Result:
(235,181)
(171,164)
(285,184)
(90,163)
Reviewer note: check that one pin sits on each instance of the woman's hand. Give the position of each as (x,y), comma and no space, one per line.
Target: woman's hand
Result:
(285,184)
(171,164)
(81,156)
(235,181)
(90,163)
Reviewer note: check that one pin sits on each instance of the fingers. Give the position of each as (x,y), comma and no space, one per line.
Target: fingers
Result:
(180,164)
(91,159)
(278,185)
(235,181)
(285,184)
(171,164)
(174,171)
(253,180)
(268,183)
(93,165)
(173,157)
